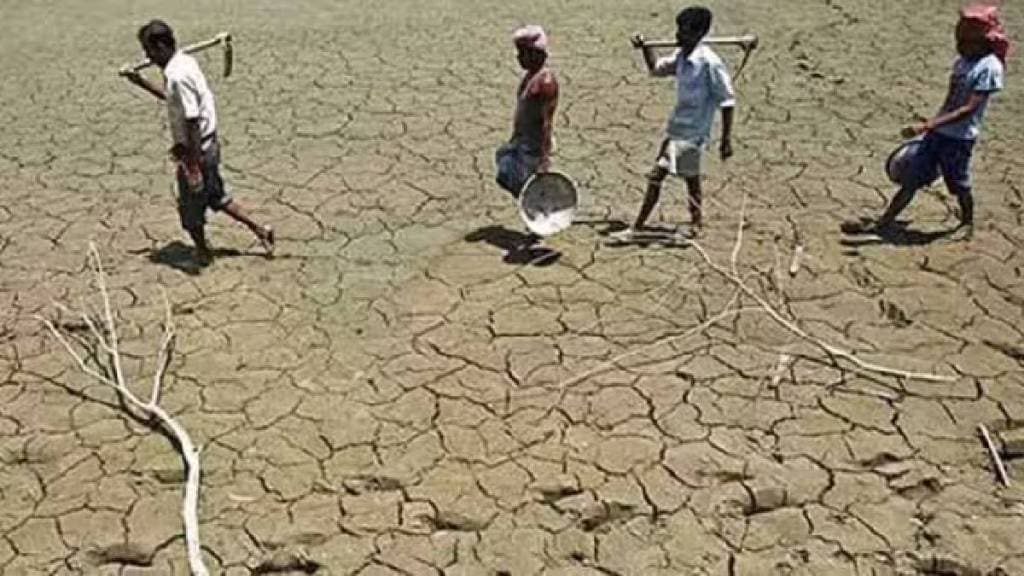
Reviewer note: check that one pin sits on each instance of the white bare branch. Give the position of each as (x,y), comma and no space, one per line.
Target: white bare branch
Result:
(828,348)
(109,344)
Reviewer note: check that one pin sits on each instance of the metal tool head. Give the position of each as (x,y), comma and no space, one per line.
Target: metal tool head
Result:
(548,203)
(229,55)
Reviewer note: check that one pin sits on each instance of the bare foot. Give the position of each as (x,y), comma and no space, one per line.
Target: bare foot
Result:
(203,256)
(963,233)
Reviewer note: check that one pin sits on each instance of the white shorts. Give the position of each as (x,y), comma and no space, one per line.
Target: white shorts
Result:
(680,157)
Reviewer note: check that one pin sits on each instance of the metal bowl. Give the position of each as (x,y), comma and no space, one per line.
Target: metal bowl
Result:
(548,202)
(900,165)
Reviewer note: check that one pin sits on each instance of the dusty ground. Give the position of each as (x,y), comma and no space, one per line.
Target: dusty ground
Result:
(390,397)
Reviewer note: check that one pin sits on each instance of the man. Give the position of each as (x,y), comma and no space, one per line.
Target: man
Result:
(529,149)
(702,87)
(193,122)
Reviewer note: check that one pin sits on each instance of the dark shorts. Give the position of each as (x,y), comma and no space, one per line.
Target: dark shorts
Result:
(515,166)
(939,154)
(192,206)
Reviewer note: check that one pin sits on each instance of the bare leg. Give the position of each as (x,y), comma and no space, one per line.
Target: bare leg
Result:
(966,201)
(693,186)
(899,202)
(203,255)
(966,207)
(654,182)
(264,233)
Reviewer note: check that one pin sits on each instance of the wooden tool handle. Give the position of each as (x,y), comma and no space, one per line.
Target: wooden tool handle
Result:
(223,37)
(746,41)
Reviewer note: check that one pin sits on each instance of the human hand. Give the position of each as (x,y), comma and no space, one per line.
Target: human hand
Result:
(726,149)
(638,41)
(193,175)
(544,166)
(914,130)
(132,76)
(177,152)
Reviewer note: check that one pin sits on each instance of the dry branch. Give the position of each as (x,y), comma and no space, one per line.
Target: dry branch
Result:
(105,341)
(832,350)
(994,453)
(732,274)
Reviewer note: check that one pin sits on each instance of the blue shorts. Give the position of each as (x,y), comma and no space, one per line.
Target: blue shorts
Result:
(192,206)
(515,166)
(939,154)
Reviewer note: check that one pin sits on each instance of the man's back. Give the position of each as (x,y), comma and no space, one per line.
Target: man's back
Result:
(536,93)
(188,97)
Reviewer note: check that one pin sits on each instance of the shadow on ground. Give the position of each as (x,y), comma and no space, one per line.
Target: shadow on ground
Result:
(181,257)
(859,233)
(519,248)
(660,236)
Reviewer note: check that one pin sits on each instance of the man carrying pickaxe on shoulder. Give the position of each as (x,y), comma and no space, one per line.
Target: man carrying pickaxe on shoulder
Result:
(703,86)
(192,117)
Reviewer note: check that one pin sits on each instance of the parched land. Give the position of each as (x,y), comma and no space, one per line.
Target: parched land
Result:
(403,390)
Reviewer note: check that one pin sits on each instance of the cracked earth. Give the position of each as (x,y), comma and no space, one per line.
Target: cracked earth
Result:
(388,397)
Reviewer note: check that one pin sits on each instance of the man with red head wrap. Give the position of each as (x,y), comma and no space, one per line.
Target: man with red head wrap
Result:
(986,17)
(529,149)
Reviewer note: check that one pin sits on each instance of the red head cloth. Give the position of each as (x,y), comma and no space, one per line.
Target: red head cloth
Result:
(987,16)
(531,36)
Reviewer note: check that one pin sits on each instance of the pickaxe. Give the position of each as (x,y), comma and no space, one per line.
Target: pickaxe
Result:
(222,38)
(747,42)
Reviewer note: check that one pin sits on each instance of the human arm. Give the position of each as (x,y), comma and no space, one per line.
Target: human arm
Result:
(982,81)
(955,115)
(725,149)
(725,96)
(546,89)
(189,153)
(660,67)
(140,81)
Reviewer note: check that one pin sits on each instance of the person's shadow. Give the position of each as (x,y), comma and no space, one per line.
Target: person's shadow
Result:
(181,257)
(650,235)
(519,248)
(862,232)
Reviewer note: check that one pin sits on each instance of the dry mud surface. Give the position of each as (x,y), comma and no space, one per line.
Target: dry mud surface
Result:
(398,392)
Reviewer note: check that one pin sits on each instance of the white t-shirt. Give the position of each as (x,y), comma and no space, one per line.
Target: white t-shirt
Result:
(702,87)
(984,75)
(188,97)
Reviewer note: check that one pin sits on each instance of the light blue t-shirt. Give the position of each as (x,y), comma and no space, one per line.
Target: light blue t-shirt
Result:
(702,87)
(983,75)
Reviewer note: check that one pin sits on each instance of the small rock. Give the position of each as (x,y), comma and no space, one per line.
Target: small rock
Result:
(286,561)
(417,515)
(129,553)
(456,522)
(599,514)
(554,490)
(895,469)
(946,566)
(767,498)
(1013,442)
(365,484)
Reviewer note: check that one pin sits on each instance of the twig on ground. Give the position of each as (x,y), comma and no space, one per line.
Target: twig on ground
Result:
(794,265)
(796,330)
(108,343)
(994,453)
